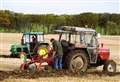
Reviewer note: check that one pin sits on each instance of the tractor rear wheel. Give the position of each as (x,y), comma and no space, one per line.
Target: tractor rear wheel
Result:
(77,61)
(109,66)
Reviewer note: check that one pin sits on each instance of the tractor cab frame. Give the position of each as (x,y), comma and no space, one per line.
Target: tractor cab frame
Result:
(80,38)
(27,37)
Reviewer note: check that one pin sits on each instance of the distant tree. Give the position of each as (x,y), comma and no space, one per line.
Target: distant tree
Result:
(5,19)
(50,21)
(106,23)
(60,20)
(115,18)
(112,28)
(104,18)
(89,19)
(69,20)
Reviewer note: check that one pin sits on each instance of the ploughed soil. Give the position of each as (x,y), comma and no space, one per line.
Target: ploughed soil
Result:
(17,74)
(9,67)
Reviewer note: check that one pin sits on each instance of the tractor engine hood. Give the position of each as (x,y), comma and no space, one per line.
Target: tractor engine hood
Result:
(104,53)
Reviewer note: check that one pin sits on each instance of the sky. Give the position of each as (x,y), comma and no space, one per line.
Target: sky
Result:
(61,6)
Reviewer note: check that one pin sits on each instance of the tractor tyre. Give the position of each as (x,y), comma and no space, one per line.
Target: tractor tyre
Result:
(109,66)
(77,61)
(13,55)
(32,68)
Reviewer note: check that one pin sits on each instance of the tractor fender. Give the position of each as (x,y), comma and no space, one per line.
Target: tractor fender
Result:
(83,49)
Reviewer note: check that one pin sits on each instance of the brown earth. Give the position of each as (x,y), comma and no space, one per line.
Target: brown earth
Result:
(8,65)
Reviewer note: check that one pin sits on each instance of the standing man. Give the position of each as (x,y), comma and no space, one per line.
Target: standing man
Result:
(58,53)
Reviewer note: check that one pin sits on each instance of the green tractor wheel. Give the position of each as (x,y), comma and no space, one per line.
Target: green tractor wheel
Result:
(13,55)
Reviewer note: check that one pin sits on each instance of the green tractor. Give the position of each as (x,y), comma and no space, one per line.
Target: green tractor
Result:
(28,44)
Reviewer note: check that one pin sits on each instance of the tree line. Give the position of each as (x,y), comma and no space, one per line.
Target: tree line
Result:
(105,23)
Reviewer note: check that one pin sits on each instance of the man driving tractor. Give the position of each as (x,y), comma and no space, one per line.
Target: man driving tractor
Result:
(34,39)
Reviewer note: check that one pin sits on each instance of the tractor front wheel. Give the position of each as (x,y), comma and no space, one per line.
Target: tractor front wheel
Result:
(109,66)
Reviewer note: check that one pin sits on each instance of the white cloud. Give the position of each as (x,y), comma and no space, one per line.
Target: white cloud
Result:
(61,6)
(119,6)
(1,4)
(58,1)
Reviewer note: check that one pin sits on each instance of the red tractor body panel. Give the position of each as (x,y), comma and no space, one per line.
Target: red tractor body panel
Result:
(39,59)
(104,53)
(48,59)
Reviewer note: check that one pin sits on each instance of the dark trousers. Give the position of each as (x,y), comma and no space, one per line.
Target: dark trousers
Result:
(58,62)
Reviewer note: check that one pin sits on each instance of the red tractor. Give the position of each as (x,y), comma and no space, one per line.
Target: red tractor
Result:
(82,50)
